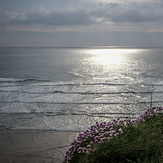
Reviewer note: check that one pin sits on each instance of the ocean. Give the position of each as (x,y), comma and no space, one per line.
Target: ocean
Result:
(69,89)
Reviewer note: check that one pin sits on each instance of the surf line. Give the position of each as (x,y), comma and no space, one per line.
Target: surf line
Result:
(82,93)
(81,103)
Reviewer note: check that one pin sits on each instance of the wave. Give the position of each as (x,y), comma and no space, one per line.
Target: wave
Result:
(4,83)
(107,115)
(9,85)
(82,93)
(12,80)
(81,103)
(43,82)
(64,113)
(77,84)
(41,129)
(91,84)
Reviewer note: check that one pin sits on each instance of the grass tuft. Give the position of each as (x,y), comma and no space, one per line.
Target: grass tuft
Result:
(138,141)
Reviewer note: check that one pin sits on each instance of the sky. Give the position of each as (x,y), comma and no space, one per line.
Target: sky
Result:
(79,23)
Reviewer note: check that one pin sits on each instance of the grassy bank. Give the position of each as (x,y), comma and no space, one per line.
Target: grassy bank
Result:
(119,141)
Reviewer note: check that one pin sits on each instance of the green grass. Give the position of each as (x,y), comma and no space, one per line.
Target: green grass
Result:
(140,143)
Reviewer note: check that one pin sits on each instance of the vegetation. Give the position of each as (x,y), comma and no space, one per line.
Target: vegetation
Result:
(126,141)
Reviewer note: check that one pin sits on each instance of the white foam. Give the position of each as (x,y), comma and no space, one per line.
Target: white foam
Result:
(11,80)
(69,105)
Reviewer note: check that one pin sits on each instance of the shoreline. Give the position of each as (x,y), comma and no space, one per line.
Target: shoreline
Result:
(34,146)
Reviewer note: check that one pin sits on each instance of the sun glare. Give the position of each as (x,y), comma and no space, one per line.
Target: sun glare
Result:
(110,56)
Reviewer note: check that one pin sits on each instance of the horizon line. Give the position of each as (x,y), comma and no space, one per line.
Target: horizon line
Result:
(93,46)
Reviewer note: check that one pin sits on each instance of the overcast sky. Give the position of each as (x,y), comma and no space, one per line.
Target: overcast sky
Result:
(81,23)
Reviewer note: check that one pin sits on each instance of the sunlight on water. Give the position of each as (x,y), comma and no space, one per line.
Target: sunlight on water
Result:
(110,56)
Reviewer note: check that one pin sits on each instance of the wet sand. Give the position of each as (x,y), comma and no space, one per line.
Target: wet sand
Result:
(34,146)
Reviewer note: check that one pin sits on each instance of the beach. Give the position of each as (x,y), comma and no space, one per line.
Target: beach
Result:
(34,146)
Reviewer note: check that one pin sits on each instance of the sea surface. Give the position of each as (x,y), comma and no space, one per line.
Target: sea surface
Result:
(69,89)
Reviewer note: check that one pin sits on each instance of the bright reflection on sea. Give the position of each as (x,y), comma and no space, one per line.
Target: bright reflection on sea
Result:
(110,56)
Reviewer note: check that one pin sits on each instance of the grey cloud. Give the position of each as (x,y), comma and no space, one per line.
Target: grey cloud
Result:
(132,12)
(78,17)
(100,13)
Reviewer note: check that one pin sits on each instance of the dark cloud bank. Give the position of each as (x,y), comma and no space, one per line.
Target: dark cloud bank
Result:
(100,18)
(111,12)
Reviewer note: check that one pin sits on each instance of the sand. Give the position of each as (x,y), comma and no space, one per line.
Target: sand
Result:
(34,146)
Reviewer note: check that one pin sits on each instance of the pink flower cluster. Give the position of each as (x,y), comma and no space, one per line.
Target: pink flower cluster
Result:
(102,132)
(150,112)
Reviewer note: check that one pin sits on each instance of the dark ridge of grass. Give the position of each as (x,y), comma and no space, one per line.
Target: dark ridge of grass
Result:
(140,143)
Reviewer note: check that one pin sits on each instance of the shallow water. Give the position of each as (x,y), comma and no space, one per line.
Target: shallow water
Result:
(69,89)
